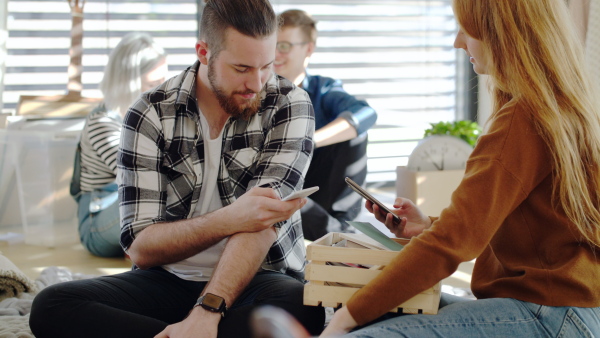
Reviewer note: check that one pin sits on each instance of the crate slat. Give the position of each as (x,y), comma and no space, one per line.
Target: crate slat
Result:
(339,295)
(332,285)
(350,255)
(339,274)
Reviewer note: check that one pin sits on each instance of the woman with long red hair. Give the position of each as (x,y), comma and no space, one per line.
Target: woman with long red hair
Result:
(528,206)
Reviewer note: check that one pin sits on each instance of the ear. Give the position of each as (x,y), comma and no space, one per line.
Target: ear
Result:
(202,52)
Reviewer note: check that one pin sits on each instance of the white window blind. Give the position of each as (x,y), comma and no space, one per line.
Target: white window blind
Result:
(398,56)
(39,38)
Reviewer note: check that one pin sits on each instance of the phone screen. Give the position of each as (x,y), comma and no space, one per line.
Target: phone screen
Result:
(369,197)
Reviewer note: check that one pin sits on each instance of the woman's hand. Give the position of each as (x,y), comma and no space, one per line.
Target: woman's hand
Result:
(341,323)
(412,221)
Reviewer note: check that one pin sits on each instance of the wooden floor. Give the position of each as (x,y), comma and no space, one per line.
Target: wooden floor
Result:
(32,259)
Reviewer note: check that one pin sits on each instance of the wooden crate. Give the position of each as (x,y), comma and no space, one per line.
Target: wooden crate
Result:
(332,286)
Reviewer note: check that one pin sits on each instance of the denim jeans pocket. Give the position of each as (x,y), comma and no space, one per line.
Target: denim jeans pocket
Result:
(574,327)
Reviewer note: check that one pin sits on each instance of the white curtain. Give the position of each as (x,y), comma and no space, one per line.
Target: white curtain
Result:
(579,11)
(3,38)
(593,41)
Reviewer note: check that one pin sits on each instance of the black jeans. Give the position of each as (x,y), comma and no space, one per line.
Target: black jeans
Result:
(141,303)
(335,203)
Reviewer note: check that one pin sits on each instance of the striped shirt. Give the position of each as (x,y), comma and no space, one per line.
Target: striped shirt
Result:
(99,145)
(161,159)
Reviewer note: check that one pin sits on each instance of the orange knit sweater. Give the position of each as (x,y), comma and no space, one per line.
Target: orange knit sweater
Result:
(501,214)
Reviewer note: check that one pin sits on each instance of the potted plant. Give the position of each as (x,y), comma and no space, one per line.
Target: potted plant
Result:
(446,146)
(467,130)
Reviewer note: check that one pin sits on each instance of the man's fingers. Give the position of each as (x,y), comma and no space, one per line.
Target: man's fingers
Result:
(266,192)
(271,211)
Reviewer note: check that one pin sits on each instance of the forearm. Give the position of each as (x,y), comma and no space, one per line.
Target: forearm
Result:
(169,242)
(239,263)
(237,266)
(338,130)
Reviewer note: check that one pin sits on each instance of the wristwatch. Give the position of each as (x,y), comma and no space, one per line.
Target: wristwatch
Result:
(212,303)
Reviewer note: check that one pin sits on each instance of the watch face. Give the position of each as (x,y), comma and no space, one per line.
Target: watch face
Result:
(439,152)
(212,301)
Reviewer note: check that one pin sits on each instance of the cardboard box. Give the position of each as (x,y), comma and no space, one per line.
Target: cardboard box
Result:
(333,285)
(429,190)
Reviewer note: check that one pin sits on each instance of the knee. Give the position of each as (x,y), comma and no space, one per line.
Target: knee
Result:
(291,291)
(44,311)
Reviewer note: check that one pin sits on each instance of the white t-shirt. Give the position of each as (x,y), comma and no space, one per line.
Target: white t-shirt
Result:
(200,266)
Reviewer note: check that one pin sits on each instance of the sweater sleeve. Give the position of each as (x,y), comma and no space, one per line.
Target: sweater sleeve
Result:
(497,180)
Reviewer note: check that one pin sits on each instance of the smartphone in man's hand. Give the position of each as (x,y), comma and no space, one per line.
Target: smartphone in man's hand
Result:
(300,193)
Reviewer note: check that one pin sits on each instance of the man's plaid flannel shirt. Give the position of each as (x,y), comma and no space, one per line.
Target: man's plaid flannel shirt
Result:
(160,159)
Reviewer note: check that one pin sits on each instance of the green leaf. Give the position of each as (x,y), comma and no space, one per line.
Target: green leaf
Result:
(467,130)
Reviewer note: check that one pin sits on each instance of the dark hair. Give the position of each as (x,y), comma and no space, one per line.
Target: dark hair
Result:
(299,18)
(254,18)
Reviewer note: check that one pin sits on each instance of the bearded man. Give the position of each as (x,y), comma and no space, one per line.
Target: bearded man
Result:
(204,161)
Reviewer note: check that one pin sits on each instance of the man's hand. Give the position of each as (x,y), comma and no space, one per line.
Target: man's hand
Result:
(412,223)
(258,209)
(341,323)
(199,323)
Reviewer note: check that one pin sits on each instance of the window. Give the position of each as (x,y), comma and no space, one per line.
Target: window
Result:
(40,38)
(398,56)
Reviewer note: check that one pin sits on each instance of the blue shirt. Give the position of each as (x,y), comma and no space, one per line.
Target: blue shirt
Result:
(331,101)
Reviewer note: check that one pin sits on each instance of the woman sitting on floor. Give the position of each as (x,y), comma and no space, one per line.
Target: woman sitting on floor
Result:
(137,64)
(528,206)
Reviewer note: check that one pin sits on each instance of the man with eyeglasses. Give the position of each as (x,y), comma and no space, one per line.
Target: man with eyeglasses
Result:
(341,124)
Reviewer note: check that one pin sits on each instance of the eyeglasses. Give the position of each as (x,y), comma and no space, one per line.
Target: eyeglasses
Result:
(285,47)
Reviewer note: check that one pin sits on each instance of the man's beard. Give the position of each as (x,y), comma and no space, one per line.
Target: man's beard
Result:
(228,103)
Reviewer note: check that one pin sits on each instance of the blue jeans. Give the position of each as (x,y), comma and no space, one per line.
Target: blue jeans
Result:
(100,231)
(495,317)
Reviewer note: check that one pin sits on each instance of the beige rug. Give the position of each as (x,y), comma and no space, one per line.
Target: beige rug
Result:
(15,327)
(16,294)
(14,310)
